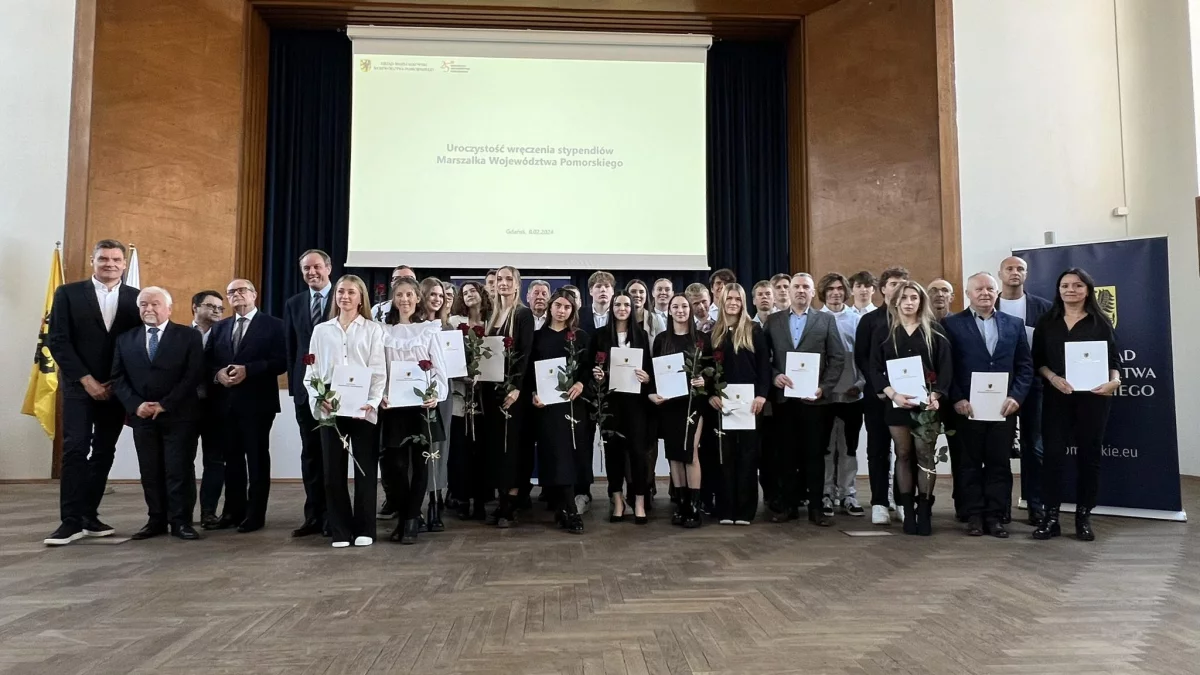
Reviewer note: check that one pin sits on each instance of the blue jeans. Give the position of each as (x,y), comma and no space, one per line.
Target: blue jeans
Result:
(1031,449)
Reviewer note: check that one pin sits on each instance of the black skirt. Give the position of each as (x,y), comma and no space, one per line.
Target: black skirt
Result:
(562,461)
(674,429)
(398,424)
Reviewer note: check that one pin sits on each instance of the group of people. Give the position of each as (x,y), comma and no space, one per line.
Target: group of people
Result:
(462,442)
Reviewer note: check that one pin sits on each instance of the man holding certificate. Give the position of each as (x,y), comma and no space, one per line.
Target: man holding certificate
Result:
(811,335)
(993,371)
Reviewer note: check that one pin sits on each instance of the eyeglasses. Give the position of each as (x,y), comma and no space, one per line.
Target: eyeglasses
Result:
(244,290)
(215,308)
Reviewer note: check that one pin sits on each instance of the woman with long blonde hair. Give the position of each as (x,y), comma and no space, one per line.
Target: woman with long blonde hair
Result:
(741,355)
(913,332)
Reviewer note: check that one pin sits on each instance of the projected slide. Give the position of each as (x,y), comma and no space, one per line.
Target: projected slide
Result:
(538,162)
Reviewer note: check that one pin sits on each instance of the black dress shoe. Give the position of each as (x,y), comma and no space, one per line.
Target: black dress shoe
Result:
(308,528)
(249,526)
(818,518)
(996,529)
(1005,518)
(148,531)
(92,527)
(1036,516)
(223,523)
(975,526)
(408,534)
(786,515)
(575,524)
(184,532)
(208,520)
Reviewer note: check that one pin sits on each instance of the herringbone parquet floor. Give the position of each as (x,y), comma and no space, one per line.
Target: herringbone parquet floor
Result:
(620,599)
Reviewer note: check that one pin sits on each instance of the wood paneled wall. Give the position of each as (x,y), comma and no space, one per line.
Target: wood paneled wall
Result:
(872,126)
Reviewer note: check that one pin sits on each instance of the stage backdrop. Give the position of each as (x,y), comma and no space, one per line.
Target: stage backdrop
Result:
(1139,473)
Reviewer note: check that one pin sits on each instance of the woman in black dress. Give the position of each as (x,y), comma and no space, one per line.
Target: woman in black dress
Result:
(564,438)
(913,332)
(1067,414)
(468,463)
(504,403)
(740,352)
(680,419)
(625,448)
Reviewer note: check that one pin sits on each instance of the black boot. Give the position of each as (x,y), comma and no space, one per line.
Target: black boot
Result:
(505,518)
(406,531)
(1049,526)
(910,513)
(924,515)
(693,518)
(433,515)
(681,506)
(1083,524)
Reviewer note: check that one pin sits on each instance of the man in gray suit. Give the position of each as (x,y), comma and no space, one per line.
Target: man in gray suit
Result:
(805,436)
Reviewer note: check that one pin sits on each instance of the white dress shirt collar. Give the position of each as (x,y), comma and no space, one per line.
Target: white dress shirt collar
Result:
(249,316)
(99,286)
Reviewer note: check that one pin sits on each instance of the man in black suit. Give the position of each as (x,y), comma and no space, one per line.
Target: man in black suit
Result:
(247,357)
(207,308)
(301,313)
(804,329)
(85,320)
(156,371)
(600,287)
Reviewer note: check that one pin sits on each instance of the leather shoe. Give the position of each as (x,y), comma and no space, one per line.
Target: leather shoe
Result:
(816,517)
(996,529)
(148,531)
(786,515)
(209,520)
(185,532)
(223,523)
(308,528)
(975,526)
(249,526)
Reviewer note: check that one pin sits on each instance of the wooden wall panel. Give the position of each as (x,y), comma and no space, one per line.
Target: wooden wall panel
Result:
(166,132)
(253,173)
(871,107)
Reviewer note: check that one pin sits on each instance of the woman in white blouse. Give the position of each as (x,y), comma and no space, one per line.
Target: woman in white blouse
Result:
(350,338)
(409,438)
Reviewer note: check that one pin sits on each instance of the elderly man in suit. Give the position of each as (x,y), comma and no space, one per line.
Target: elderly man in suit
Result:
(248,355)
(85,320)
(156,371)
(301,313)
(802,466)
(986,341)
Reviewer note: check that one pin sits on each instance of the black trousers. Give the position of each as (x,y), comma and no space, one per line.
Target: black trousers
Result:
(90,432)
(408,477)
(212,449)
(986,475)
(738,496)
(345,521)
(166,452)
(1081,417)
(247,465)
(625,463)
(879,448)
(312,465)
(802,453)
(768,456)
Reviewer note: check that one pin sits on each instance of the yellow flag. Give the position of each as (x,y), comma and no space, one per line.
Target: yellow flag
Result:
(40,397)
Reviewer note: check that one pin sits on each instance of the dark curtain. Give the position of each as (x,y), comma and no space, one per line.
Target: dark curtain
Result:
(308,166)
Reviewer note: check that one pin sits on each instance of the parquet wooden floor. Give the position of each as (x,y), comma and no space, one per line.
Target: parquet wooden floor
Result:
(620,599)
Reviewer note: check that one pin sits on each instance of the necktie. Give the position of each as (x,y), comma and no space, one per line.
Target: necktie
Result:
(152,348)
(316,309)
(237,333)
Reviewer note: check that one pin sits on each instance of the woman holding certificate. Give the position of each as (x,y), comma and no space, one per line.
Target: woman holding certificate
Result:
(679,416)
(411,429)
(624,434)
(742,362)
(914,362)
(503,403)
(347,347)
(560,365)
(468,464)
(1075,350)
(435,309)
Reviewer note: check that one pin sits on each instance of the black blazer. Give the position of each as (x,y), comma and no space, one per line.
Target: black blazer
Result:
(298,330)
(587,319)
(872,329)
(77,339)
(264,354)
(170,380)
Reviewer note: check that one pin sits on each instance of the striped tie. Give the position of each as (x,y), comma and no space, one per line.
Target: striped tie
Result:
(316,309)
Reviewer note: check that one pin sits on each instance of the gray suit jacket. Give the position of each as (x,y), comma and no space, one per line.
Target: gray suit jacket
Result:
(820,336)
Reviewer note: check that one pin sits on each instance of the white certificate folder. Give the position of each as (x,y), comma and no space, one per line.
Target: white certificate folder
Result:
(804,369)
(670,380)
(351,384)
(1087,364)
(988,392)
(907,376)
(623,363)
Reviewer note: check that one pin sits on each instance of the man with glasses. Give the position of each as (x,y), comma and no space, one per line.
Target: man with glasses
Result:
(207,309)
(246,358)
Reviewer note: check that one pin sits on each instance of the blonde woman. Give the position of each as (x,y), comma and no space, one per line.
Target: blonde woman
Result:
(436,308)
(740,351)
(350,338)
(913,332)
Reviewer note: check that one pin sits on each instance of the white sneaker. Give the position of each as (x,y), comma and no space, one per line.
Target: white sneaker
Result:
(900,514)
(741,522)
(880,515)
(363,541)
(341,544)
(582,502)
(724,521)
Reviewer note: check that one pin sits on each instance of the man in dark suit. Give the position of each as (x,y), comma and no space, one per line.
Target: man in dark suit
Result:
(156,371)
(1029,308)
(247,357)
(301,313)
(85,320)
(600,287)
(207,308)
(802,466)
(986,341)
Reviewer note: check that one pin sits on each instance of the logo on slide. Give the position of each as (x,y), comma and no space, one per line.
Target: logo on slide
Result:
(365,65)
(1106,297)
(452,67)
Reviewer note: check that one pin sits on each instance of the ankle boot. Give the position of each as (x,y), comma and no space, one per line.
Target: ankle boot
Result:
(505,518)
(1049,526)
(694,511)
(681,506)
(910,513)
(1083,524)
(433,515)
(924,515)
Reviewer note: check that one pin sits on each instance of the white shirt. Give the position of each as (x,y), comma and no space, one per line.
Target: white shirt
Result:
(108,301)
(622,338)
(865,310)
(161,330)
(847,323)
(659,320)
(539,321)
(1017,308)
(203,334)
(416,342)
(601,320)
(360,344)
(713,314)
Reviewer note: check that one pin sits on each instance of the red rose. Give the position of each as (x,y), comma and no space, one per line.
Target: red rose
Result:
(426,364)
(508,343)
(699,345)
(930,376)
(719,356)
(380,289)
(478,331)
(464,328)
(310,359)
(570,336)
(601,357)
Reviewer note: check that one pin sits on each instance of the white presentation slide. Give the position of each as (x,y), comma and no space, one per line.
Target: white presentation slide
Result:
(478,148)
